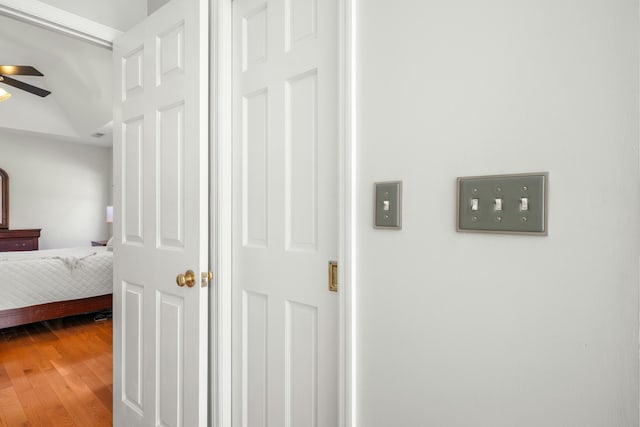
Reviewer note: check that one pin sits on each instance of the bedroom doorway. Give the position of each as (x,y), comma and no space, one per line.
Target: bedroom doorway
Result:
(178,322)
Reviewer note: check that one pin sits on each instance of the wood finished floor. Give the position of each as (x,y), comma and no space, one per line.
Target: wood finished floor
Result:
(57,373)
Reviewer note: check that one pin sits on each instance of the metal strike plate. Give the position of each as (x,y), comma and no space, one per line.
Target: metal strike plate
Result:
(514,204)
(388,205)
(333,276)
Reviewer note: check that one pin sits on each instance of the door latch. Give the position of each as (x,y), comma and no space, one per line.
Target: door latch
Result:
(206,278)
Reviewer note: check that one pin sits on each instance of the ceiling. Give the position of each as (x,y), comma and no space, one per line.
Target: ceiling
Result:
(118,14)
(78,73)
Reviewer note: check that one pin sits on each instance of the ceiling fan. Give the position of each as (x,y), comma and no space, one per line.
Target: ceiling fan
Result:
(21,70)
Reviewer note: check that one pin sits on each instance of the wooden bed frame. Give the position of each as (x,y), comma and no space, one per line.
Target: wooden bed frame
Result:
(54,310)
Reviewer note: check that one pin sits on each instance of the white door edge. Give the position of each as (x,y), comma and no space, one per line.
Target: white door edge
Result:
(347,247)
(221,184)
(221,126)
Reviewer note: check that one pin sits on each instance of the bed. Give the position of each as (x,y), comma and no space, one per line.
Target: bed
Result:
(48,284)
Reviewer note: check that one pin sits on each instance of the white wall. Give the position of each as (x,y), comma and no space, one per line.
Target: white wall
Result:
(60,187)
(487,330)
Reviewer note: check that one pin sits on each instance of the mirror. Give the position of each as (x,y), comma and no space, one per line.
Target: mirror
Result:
(4,200)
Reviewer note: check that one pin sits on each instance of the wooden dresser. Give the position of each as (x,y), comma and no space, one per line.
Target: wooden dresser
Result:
(19,240)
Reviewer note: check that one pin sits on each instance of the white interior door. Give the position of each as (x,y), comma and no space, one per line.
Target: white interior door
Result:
(285,320)
(161,217)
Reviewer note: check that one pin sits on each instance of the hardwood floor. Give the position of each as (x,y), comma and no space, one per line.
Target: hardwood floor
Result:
(57,373)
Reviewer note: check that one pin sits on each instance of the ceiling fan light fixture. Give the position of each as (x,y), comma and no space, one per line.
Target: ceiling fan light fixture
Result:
(4,95)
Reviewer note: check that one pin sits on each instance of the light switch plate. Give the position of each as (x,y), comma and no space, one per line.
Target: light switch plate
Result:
(388,205)
(513,204)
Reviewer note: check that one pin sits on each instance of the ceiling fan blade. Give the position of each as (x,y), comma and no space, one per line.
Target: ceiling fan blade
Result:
(25,86)
(19,70)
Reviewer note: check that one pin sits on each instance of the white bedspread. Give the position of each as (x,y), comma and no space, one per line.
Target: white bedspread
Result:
(39,277)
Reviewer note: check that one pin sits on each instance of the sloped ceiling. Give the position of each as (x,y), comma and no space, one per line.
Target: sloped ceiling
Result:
(78,74)
(118,14)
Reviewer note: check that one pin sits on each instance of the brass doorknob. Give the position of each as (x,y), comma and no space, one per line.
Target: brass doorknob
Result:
(188,278)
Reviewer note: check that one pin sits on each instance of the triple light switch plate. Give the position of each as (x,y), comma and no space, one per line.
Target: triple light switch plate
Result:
(515,204)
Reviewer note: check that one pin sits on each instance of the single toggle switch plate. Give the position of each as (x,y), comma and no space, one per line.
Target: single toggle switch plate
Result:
(388,209)
(523,203)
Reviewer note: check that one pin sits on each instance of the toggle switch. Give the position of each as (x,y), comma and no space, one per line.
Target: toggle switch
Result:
(388,205)
(524,204)
(498,205)
(474,204)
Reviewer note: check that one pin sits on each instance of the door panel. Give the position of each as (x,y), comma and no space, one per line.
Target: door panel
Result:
(254,141)
(132,363)
(132,161)
(170,124)
(285,326)
(301,162)
(301,364)
(254,366)
(160,229)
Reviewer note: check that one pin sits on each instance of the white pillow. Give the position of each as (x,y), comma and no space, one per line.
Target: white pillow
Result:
(110,244)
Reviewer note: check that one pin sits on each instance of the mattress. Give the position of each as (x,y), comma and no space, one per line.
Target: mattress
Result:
(40,277)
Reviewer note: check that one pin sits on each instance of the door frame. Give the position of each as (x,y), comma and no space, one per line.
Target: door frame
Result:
(220,208)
